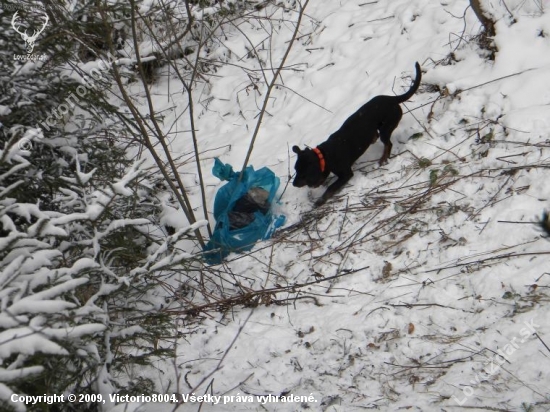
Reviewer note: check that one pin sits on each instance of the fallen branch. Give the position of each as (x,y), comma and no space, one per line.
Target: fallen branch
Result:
(411,305)
(256,297)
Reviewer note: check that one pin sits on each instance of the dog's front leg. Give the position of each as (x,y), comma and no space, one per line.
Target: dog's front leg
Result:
(335,187)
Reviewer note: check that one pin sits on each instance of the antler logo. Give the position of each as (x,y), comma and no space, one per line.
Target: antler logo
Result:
(29,39)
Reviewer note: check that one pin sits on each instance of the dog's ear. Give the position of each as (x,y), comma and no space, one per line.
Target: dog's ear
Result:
(296,149)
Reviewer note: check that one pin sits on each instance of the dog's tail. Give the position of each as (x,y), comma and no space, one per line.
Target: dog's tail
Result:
(404,97)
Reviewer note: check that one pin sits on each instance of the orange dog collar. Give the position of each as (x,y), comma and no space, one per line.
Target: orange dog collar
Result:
(321,158)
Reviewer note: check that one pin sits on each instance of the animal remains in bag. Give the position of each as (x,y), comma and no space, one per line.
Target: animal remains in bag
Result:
(255,200)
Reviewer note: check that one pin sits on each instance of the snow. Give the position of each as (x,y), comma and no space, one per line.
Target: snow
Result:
(26,340)
(7,375)
(441,253)
(5,393)
(44,227)
(422,285)
(120,186)
(120,223)
(4,110)
(74,332)
(30,303)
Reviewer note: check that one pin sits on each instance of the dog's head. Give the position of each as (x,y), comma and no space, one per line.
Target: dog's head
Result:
(308,169)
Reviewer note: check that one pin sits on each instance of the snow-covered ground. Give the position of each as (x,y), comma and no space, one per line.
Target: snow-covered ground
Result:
(444,280)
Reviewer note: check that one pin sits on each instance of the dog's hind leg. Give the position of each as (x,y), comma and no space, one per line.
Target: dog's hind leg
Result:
(385,131)
(386,154)
(385,136)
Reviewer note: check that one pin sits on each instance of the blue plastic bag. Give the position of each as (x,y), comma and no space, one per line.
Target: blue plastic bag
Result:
(225,240)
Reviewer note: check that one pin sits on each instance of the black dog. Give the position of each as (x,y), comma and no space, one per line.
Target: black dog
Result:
(378,117)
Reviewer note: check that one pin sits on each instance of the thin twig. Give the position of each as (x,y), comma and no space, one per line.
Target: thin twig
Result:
(220,362)
(541,341)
